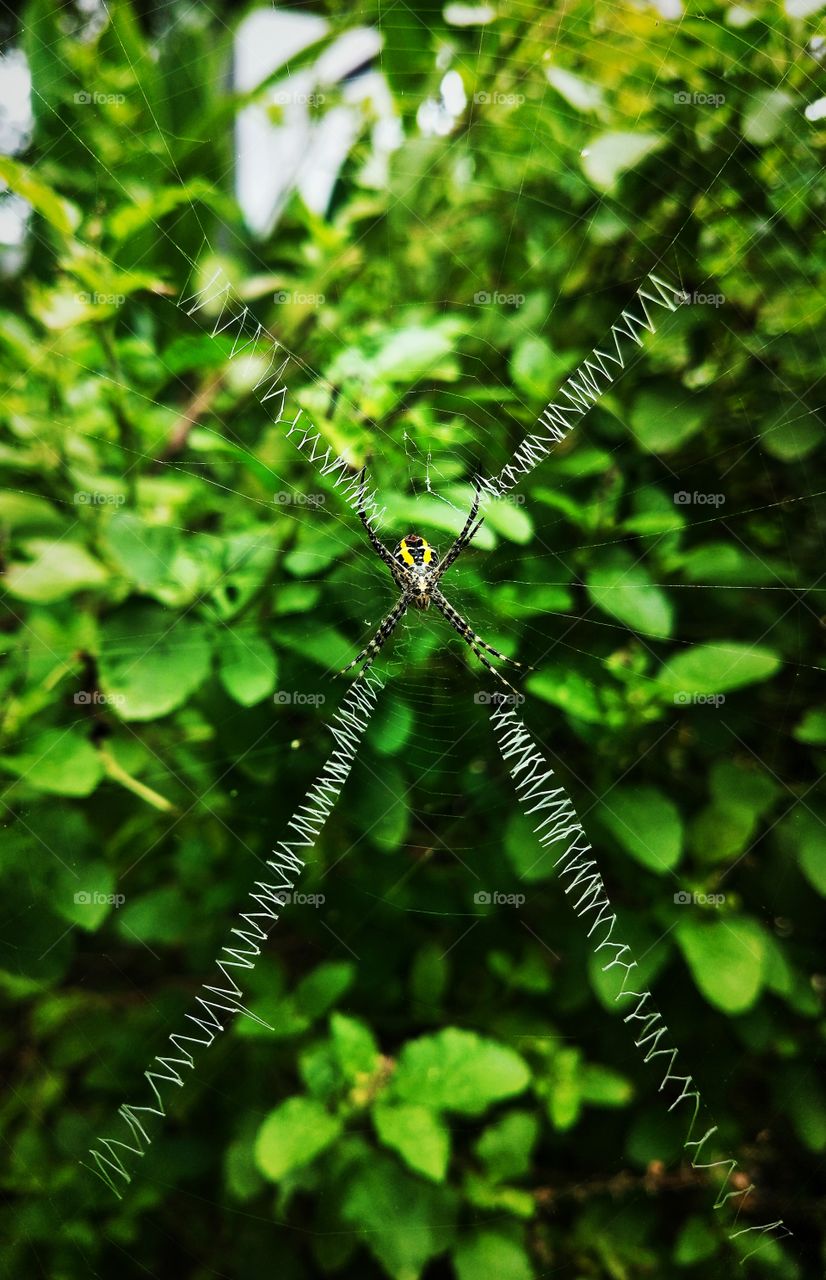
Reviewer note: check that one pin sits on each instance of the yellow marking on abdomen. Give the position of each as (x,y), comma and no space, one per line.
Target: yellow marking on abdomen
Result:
(428,551)
(406,556)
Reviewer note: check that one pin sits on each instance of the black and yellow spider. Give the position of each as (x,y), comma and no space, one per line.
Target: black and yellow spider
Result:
(417,571)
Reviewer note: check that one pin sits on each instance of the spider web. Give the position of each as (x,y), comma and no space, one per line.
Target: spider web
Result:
(441,475)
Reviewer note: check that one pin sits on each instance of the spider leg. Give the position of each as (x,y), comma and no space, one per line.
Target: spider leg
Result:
(386,628)
(376,542)
(474,642)
(468,532)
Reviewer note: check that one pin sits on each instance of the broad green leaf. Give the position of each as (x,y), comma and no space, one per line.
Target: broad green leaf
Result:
(56,569)
(803,833)
(402,1220)
(24,182)
(536,368)
(812,727)
(766,115)
(697,1241)
(580,94)
(647,824)
(792,436)
(456,1070)
(505,1147)
(487,1255)
(621,587)
(87,894)
(569,690)
(157,917)
(354,1046)
(417,1134)
(663,417)
(726,958)
(60,761)
(529,859)
(706,669)
(143,553)
(607,157)
(292,1135)
(320,989)
(604,1087)
(151,660)
(246,665)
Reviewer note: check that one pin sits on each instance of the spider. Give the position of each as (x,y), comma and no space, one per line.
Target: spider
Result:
(417,570)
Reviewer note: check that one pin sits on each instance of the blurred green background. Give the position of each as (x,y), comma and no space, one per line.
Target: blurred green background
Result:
(449,1089)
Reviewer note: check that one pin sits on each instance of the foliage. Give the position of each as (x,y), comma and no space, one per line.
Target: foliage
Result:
(446,1087)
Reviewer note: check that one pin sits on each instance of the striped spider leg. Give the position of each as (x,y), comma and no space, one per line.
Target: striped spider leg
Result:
(417,570)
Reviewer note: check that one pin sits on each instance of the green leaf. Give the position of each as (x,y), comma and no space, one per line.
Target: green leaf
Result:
(246,665)
(663,418)
(456,1070)
(59,761)
(568,690)
(293,1135)
(403,1221)
(417,1134)
(563,1089)
(327,983)
(791,436)
(151,661)
(716,668)
(766,115)
(56,569)
(726,958)
(62,215)
(812,728)
(608,156)
(87,897)
(536,368)
(647,825)
(354,1046)
(505,1147)
(143,553)
(696,1242)
(604,1087)
(623,589)
(487,1255)
(804,833)
(529,859)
